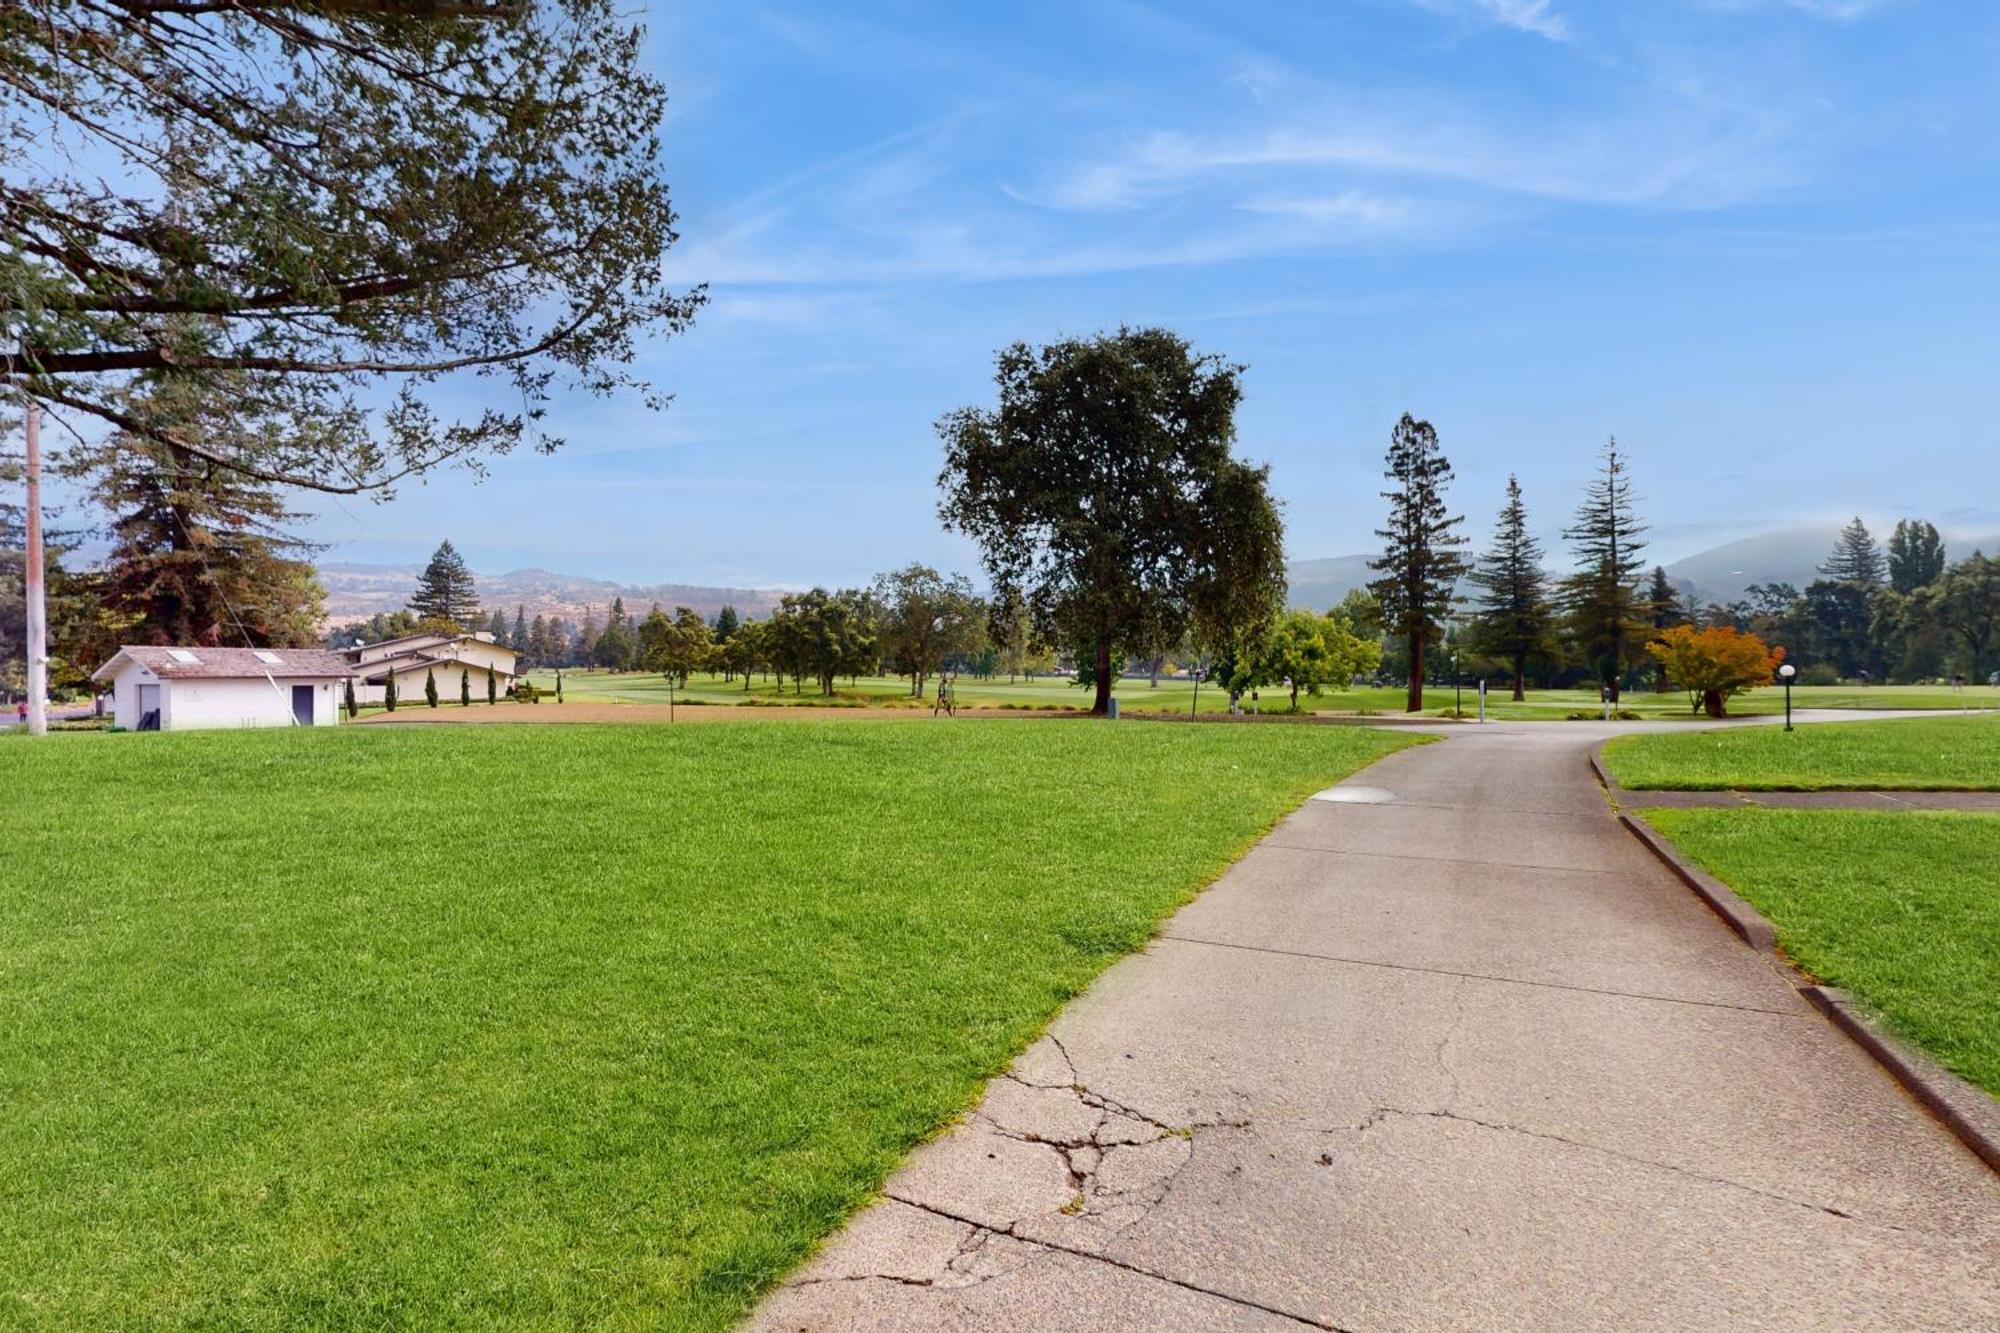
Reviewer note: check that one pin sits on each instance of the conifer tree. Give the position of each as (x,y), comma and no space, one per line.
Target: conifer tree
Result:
(1856,558)
(1916,555)
(725,624)
(445,589)
(518,640)
(1422,561)
(539,652)
(492,688)
(199,552)
(497,627)
(464,688)
(1513,620)
(389,693)
(430,687)
(1603,595)
(347,701)
(1664,611)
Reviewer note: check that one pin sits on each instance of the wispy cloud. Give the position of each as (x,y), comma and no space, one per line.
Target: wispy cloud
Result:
(1838,11)
(1532,16)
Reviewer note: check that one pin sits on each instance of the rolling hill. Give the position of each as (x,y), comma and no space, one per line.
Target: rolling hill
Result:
(355,592)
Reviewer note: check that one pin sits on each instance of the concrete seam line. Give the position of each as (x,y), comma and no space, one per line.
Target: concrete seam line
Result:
(1966,1110)
(1740,916)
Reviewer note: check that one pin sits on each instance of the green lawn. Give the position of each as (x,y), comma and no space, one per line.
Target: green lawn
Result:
(528,1026)
(1175,696)
(1944,753)
(1901,909)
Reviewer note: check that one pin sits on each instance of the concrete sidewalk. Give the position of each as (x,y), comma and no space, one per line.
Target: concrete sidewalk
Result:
(1451,1051)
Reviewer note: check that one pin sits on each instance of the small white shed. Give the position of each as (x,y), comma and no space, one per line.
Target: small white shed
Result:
(186,689)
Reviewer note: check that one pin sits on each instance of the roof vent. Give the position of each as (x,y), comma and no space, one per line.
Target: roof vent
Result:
(182,655)
(266,655)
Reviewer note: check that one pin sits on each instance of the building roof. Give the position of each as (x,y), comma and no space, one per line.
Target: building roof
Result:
(227,663)
(403,664)
(423,643)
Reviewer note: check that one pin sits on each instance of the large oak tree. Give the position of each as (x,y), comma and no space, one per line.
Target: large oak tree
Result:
(325,212)
(1102,494)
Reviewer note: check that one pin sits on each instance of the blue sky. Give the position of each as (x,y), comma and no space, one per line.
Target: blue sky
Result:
(1756,239)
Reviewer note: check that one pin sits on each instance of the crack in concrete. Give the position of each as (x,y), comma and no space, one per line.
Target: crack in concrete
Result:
(1304,1321)
(1380,1113)
(1175,938)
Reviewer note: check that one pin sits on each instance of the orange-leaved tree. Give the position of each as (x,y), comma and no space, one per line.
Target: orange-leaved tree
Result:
(1713,664)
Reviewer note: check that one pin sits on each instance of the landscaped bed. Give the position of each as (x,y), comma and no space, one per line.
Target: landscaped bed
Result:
(505,1026)
(1902,909)
(1914,754)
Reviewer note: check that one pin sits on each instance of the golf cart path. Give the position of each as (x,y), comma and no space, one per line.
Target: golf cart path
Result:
(1449,1050)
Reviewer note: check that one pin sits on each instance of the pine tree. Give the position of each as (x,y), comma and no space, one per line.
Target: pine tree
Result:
(1856,558)
(389,693)
(464,688)
(1603,595)
(445,589)
(497,627)
(199,553)
(1663,613)
(1422,562)
(1916,555)
(430,687)
(1513,619)
(725,624)
(347,700)
(539,652)
(518,640)
(492,688)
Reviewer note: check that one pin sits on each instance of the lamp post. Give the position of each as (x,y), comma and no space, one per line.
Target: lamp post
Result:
(1785,673)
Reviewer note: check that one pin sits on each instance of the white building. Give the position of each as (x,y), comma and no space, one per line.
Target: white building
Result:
(186,689)
(414,656)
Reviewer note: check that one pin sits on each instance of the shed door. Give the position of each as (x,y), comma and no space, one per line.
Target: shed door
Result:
(302,705)
(149,708)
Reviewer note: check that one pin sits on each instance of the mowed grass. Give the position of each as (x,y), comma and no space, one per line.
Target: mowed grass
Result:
(535,1027)
(1913,754)
(1901,909)
(1174,695)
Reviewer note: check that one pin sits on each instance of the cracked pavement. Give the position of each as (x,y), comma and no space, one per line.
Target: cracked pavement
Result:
(1466,1057)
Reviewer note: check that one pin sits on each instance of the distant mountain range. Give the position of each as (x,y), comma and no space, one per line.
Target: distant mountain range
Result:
(1718,574)
(355,592)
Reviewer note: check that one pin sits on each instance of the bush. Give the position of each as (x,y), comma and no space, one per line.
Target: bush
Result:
(1819,673)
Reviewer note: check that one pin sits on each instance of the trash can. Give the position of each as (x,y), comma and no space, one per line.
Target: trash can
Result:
(1112,710)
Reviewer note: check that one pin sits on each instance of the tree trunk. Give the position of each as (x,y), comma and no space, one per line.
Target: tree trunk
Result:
(1520,679)
(1295,698)
(1415,703)
(1102,704)
(1712,703)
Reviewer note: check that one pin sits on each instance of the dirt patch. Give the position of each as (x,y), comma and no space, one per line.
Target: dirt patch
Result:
(452,714)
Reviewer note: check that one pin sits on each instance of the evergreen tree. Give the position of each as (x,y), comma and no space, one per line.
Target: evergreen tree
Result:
(1603,595)
(497,627)
(584,650)
(445,589)
(1513,619)
(1916,555)
(464,688)
(1422,561)
(1856,558)
(518,640)
(430,687)
(492,688)
(725,624)
(347,699)
(540,653)
(1664,612)
(199,552)
(389,693)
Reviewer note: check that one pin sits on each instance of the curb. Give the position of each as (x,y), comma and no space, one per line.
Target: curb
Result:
(1739,916)
(1966,1110)
(1604,778)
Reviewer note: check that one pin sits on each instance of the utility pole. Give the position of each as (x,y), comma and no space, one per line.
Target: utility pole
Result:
(38,609)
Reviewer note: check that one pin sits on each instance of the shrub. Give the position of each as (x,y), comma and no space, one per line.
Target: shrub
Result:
(1714,663)
(1820,673)
(430,687)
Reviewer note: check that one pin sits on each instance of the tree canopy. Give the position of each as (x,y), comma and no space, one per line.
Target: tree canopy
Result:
(1513,620)
(1714,664)
(445,590)
(1603,598)
(1102,492)
(284,205)
(1916,555)
(1856,558)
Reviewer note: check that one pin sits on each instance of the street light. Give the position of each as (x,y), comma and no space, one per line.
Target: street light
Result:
(1785,673)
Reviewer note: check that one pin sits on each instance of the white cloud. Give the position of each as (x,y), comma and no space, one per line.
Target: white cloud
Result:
(1837,11)
(1533,16)
(1352,207)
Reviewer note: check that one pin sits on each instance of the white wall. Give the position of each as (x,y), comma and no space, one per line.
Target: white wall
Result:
(192,705)
(410,685)
(125,693)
